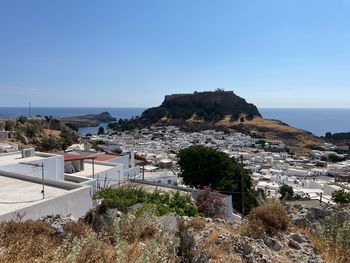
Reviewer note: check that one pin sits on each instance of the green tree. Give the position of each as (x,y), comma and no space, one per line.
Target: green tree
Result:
(204,166)
(286,192)
(341,197)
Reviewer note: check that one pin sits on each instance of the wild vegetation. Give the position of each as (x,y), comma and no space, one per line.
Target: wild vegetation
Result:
(266,220)
(163,202)
(204,166)
(45,133)
(134,237)
(287,194)
(333,233)
(341,197)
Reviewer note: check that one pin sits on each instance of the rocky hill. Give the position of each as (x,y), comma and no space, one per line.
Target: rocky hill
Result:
(209,106)
(221,110)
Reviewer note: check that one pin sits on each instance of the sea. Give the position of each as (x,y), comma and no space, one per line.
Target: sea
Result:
(315,120)
(319,121)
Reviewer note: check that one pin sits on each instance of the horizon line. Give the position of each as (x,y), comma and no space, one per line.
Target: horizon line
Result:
(145,107)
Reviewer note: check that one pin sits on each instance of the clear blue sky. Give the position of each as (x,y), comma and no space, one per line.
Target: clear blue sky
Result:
(274,53)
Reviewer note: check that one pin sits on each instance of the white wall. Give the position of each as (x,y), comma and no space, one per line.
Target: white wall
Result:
(124,160)
(77,202)
(53,167)
(132,172)
(295,172)
(110,177)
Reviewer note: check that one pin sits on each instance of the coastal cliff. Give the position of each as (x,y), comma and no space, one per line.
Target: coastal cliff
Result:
(90,120)
(209,106)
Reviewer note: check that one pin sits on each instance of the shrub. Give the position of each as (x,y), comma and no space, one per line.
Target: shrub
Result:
(32,129)
(68,137)
(86,249)
(49,143)
(76,229)
(158,245)
(341,197)
(335,232)
(266,220)
(22,119)
(210,203)
(123,197)
(286,192)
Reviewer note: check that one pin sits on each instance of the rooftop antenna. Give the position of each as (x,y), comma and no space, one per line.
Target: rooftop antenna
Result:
(30,110)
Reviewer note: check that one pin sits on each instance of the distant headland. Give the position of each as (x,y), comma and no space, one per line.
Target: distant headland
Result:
(89,120)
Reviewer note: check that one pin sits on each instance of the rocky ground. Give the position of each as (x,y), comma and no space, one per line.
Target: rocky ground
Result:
(206,240)
(142,237)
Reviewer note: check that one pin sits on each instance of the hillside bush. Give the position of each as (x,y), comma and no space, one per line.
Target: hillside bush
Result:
(123,197)
(341,197)
(49,143)
(266,220)
(210,203)
(335,232)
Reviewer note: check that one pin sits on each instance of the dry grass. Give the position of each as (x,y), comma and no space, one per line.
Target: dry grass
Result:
(77,229)
(34,241)
(266,220)
(52,133)
(330,251)
(216,251)
(275,130)
(197,224)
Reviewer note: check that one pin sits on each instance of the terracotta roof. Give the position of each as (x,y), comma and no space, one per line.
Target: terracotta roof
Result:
(77,157)
(105,157)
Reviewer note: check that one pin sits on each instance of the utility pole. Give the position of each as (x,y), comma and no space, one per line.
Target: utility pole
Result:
(242,184)
(30,110)
(42,180)
(143,171)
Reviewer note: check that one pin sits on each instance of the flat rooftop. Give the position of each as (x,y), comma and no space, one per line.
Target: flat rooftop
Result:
(99,168)
(6,159)
(16,194)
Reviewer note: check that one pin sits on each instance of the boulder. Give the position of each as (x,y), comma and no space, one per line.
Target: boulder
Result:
(293,244)
(273,243)
(201,257)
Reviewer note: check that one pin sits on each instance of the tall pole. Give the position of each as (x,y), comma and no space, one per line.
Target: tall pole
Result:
(30,110)
(42,180)
(242,184)
(93,168)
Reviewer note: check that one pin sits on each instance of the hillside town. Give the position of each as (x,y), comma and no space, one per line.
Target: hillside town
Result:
(150,155)
(270,162)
